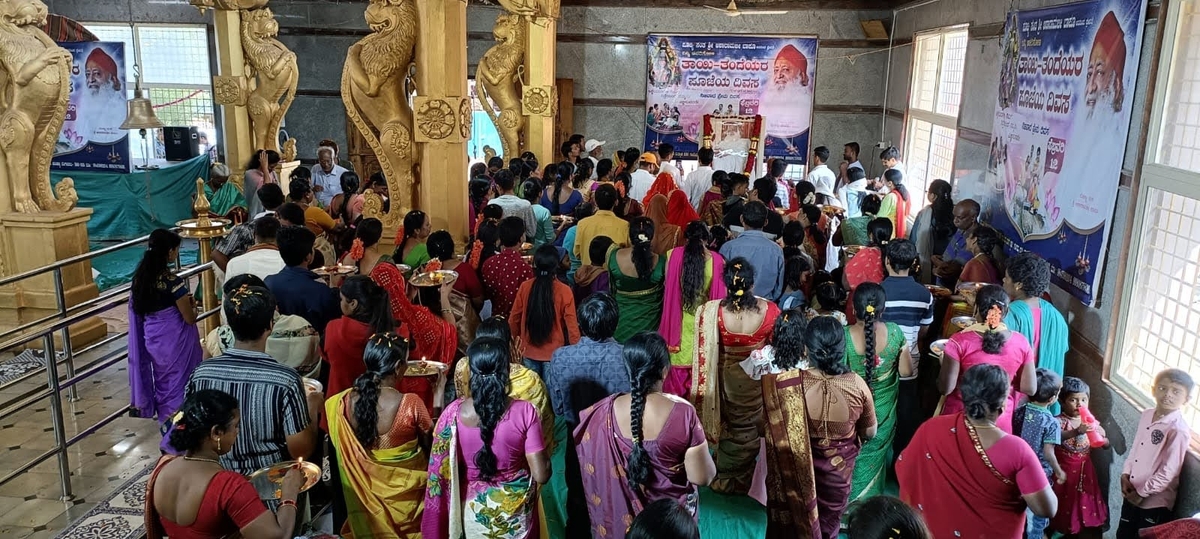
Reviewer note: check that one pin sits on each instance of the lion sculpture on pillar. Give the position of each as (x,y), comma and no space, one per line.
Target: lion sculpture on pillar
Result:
(277,76)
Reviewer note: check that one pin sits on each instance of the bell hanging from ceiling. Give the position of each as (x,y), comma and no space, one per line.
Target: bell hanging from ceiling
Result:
(140,113)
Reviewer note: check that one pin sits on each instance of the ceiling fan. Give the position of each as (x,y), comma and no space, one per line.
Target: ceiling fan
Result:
(732,10)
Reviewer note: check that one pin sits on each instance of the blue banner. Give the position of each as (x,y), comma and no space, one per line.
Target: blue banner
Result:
(691,76)
(91,138)
(1067,78)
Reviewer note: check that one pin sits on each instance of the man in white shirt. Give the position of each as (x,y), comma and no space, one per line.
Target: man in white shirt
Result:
(666,156)
(513,205)
(700,180)
(263,259)
(327,176)
(595,151)
(643,177)
(776,168)
(890,158)
(822,177)
(857,187)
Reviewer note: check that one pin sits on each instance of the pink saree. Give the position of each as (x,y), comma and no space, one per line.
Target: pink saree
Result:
(679,380)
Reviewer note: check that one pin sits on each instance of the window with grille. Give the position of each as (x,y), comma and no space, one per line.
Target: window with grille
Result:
(176,76)
(1157,327)
(932,120)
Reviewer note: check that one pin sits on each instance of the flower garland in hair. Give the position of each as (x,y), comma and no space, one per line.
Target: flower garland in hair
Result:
(620,188)
(994,317)
(810,199)
(432,266)
(871,320)
(476,252)
(399,240)
(357,250)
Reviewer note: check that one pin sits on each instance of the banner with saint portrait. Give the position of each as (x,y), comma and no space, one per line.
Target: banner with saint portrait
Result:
(689,77)
(91,138)
(1067,78)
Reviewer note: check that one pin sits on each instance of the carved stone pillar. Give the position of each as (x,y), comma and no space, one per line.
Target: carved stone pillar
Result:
(442,114)
(540,96)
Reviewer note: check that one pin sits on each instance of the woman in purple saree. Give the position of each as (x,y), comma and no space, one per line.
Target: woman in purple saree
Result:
(164,345)
(641,447)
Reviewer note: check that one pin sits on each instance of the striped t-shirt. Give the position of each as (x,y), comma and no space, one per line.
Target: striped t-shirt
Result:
(271,398)
(910,306)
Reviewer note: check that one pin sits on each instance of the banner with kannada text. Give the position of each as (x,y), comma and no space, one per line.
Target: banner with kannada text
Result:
(91,138)
(691,76)
(1067,79)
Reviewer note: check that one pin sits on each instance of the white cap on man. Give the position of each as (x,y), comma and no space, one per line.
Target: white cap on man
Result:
(592,144)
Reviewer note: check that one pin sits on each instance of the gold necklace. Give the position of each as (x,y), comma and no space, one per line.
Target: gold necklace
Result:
(202,459)
(988,425)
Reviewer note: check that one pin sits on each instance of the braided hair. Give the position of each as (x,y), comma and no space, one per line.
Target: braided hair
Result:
(991,305)
(565,171)
(942,211)
(694,262)
(739,282)
(386,355)
(879,230)
(489,361)
(647,357)
(641,234)
(787,338)
(869,302)
(201,413)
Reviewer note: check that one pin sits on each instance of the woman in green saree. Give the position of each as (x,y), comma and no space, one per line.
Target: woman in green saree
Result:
(881,363)
(225,199)
(410,241)
(382,439)
(637,276)
(853,230)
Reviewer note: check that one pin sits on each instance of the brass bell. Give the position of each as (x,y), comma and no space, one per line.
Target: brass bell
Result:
(140,113)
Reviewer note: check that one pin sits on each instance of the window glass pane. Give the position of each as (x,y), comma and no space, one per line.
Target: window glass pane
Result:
(925,71)
(1164,306)
(175,55)
(1178,144)
(916,151)
(954,54)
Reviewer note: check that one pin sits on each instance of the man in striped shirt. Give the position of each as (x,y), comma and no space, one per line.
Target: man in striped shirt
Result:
(910,306)
(278,418)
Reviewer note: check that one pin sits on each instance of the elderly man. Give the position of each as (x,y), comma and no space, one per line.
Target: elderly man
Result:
(595,152)
(327,176)
(787,101)
(102,104)
(948,265)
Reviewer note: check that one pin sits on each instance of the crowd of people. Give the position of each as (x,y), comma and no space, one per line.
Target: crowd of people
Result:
(815,345)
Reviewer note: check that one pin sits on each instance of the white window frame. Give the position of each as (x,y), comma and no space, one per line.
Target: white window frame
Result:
(918,187)
(1154,176)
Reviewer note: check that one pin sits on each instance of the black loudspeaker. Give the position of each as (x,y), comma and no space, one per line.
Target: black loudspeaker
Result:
(182,143)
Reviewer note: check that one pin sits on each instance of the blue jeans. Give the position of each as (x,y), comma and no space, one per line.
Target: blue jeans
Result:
(1035,526)
(538,367)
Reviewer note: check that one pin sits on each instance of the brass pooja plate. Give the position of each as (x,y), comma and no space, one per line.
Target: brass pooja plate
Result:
(335,270)
(313,386)
(424,368)
(963,322)
(938,291)
(269,481)
(434,278)
(938,347)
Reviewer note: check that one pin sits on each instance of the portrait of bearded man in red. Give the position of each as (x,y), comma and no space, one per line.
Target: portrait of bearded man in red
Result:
(787,102)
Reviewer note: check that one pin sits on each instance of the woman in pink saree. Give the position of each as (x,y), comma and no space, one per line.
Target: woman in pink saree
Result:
(640,447)
(690,283)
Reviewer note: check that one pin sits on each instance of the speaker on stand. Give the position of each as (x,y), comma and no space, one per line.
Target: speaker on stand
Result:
(182,143)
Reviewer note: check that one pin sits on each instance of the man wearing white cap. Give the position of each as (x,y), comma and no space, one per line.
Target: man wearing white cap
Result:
(595,152)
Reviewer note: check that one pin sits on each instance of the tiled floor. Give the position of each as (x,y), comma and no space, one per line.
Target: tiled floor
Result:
(31,504)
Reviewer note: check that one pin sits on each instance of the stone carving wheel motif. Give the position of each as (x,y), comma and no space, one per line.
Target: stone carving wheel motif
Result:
(464,118)
(537,101)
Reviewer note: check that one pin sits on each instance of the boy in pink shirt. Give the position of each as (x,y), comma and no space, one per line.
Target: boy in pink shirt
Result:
(1150,477)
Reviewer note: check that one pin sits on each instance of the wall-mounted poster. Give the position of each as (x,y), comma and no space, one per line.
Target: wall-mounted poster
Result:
(91,137)
(689,77)
(1063,108)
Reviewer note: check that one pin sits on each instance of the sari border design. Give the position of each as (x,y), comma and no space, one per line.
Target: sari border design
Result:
(787,439)
(705,393)
(983,454)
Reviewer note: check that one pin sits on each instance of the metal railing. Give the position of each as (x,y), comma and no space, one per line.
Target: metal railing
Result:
(44,329)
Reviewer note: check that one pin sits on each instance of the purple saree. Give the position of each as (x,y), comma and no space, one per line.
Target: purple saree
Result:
(163,352)
(604,457)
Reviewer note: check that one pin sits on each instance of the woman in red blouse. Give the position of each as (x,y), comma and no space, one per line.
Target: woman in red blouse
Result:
(365,311)
(430,324)
(206,428)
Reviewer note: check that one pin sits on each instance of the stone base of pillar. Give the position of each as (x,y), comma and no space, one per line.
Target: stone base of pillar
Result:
(33,240)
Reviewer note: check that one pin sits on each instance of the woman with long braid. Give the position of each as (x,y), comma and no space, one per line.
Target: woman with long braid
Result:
(991,342)
(382,439)
(636,275)
(498,442)
(694,276)
(730,401)
(650,441)
(881,362)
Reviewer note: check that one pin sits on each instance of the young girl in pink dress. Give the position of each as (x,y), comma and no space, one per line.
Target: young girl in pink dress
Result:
(989,342)
(1081,501)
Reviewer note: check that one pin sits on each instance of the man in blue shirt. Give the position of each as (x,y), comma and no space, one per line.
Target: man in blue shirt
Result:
(298,290)
(949,265)
(764,254)
(578,377)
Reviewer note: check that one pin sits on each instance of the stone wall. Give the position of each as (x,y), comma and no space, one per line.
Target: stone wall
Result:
(1090,327)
